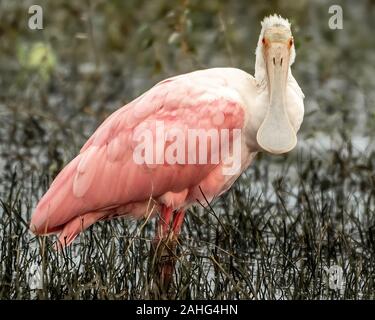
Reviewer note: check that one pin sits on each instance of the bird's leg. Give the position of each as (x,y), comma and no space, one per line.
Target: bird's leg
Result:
(171,245)
(165,242)
(178,220)
(159,250)
(163,224)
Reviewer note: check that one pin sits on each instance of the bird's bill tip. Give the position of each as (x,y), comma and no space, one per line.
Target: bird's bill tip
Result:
(276,142)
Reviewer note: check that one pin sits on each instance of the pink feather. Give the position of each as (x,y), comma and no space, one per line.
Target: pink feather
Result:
(103,180)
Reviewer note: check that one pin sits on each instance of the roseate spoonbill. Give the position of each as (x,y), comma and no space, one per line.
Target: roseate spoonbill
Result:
(104,181)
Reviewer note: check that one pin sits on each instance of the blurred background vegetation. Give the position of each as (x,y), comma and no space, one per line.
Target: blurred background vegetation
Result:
(93,56)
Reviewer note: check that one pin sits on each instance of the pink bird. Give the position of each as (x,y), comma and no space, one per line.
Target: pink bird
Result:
(108,179)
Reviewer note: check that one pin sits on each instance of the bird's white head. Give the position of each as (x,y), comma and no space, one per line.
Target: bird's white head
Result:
(275,54)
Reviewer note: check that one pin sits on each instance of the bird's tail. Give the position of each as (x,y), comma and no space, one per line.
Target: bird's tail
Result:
(58,206)
(75,226)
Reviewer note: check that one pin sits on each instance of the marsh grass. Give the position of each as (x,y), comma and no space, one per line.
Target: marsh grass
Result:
(271,237)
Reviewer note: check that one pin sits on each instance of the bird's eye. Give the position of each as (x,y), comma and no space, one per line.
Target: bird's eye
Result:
(290,42)
(263,40)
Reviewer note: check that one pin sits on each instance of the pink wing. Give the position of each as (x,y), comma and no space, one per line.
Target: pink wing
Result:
(104,174)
